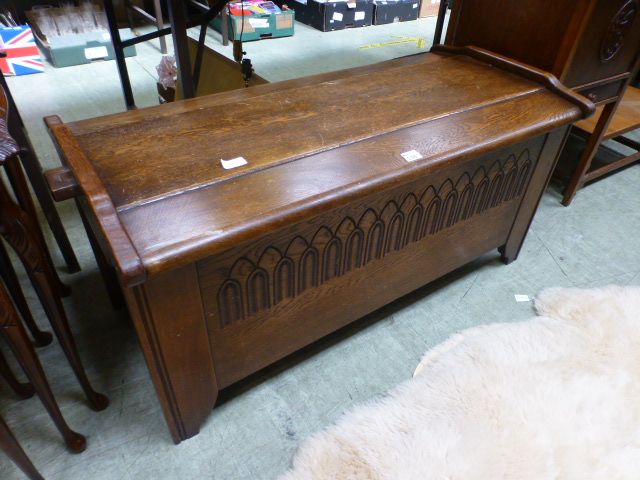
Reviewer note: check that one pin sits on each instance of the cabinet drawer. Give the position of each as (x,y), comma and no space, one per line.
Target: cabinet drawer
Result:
(603,92)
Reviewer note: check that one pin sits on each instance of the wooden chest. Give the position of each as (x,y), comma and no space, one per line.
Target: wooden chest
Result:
(360,186)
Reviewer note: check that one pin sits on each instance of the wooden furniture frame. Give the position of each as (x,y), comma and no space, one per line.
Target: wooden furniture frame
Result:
(188,71)
(18,228)
(592,46)
(156,19)
(36,178)
(225,271)
(624,119)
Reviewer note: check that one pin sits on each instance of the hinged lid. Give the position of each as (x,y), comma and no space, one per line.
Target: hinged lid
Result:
(310,145)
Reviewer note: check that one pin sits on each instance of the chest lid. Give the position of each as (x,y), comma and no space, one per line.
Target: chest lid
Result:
(156,177)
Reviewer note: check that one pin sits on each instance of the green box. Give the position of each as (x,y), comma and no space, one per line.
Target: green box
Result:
(258,26)
(83,48)
(77,48)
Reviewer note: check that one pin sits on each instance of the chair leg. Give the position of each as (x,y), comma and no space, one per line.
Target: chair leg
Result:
(36,177)
(577,178)
(25,390)
(14,451)
(16,229)
(19,184)
(13,331)
(15,290)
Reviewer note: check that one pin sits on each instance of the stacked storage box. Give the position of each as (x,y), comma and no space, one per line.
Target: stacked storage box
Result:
(257,20)
(333,15)
(391,11)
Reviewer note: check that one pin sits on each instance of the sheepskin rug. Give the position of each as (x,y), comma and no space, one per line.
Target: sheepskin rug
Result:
(555,397)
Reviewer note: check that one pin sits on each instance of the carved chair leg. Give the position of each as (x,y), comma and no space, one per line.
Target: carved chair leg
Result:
(34,171)
(55,311)
(15,334)
(14,451)
(25,390)
(19,184)
(15,290)
(17,230)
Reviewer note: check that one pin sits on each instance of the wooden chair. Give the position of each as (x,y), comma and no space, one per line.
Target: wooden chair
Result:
(16,336)
(16,227)
(36,177)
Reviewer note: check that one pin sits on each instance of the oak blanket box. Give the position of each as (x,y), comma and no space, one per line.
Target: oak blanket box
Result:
(359,186)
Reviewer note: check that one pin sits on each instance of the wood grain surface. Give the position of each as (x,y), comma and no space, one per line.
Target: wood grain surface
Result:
(310,146)
(227,271)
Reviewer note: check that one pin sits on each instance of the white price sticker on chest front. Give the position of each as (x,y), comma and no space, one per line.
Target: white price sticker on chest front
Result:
(411,155)
(233,163)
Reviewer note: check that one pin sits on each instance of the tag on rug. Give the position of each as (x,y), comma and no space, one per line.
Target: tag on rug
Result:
(522,298)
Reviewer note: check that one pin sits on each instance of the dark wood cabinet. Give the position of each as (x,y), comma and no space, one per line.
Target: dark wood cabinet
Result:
(592,46)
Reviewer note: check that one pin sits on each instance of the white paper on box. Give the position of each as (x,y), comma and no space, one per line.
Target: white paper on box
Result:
(233,163)
(359,16)
(259,22)
(522,298)
(411,155)
(337,16)
(106,36)
(96,52)
(415,5)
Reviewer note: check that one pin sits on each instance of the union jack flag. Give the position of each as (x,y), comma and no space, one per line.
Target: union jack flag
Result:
(22,57)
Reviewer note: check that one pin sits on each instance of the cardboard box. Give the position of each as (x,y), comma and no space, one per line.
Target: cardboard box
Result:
(429,8)
(262,19)
(328,16)
(23,57)
(392,11)
(77,48)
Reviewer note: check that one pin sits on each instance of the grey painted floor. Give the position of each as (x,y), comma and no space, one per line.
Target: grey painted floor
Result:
(258,424)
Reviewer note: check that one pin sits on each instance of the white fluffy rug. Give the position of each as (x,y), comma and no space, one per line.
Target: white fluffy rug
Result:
(555,397)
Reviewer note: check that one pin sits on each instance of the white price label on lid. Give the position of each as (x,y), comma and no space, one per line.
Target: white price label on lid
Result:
(233,163)
(96,52)
(411,155)
(522,298)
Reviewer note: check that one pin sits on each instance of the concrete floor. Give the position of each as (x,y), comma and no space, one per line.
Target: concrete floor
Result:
(258,424)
